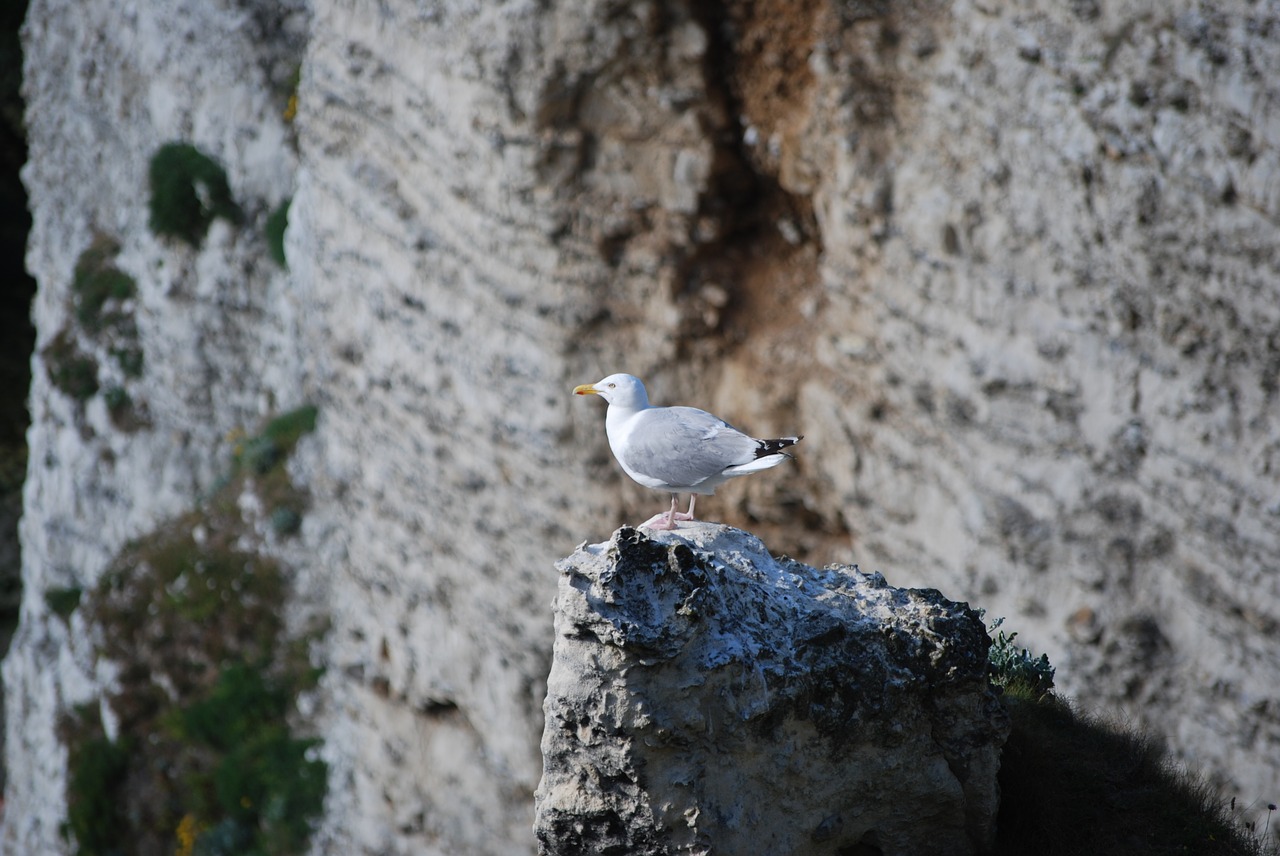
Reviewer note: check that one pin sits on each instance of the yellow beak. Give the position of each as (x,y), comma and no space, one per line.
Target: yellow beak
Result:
(585,389)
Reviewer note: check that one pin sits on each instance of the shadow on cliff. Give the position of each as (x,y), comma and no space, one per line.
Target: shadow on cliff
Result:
(1073,784)
(17,335)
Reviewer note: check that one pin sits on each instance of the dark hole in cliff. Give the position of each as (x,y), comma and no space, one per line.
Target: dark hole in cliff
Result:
(765,259)
(439,707)
(17,336)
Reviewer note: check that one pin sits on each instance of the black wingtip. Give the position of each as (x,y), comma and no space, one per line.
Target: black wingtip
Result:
(775,447)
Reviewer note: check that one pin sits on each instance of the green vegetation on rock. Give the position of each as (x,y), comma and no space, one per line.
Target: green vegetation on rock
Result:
(63,601)
(103,321)
(1015,669)
(71,370)
(205,759)
(285,520)
(97,769)
(277,222)
(129,358)
(188,191)
(96,281)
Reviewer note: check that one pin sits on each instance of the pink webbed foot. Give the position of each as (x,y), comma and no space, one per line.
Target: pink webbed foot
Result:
(661,520)
(669,517)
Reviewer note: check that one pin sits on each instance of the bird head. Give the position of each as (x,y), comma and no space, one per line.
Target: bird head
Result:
(623,390)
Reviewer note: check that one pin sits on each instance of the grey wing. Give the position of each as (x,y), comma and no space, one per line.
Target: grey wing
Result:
(684,446)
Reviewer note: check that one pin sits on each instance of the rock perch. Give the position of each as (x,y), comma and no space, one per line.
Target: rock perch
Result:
(705,697)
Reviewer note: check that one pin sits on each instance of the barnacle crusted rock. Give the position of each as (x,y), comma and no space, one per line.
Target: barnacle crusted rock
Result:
(707,697)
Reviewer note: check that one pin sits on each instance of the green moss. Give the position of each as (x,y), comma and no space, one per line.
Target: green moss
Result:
(96,281)
(263,782)
(63,601)
(285,521)
(208,601)
(238,707)
(117,399)
(96,771)
(268,784)
(96,285)
(129,357)
(227,838)
(124,415)
(262,453)
(287,428)
(71,370)
(207,680)
(188,190)
(277,222)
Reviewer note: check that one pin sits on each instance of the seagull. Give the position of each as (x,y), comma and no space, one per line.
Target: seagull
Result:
(677,449)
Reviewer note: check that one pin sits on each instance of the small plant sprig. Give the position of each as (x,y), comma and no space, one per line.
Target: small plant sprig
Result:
(277,222)
(1014,668)
(1257,840)
(1260,840)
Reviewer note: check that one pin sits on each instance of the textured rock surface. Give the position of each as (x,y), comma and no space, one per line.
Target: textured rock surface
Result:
(106,85)
(705,697)
(708,697)
(1048,369)
(1011,271)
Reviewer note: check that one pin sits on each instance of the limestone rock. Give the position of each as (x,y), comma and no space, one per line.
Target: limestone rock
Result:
(706,697)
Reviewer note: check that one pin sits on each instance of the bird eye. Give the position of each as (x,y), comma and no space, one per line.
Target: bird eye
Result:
(613,386)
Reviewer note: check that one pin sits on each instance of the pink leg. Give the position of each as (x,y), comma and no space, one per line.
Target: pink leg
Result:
(672,514)
(687,515)
(669,517)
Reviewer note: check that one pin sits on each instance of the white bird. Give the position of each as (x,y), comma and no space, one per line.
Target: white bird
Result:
(677,449)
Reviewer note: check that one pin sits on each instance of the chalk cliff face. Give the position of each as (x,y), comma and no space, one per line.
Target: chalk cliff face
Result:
(1009,271)
(105,86)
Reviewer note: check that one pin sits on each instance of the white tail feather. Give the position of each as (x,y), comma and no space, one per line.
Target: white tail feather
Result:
(757,465)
